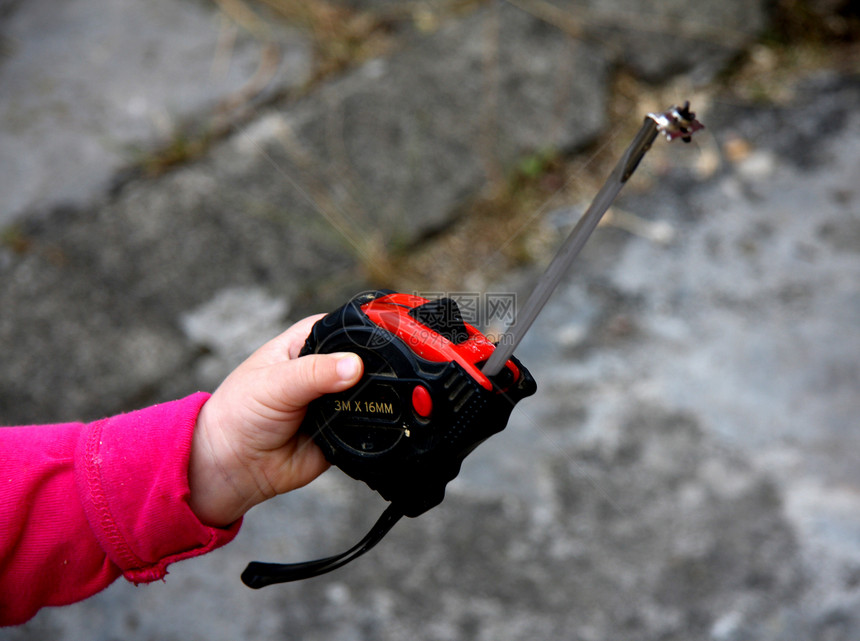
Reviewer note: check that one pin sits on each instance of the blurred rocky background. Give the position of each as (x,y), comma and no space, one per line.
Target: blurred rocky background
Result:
(181,179)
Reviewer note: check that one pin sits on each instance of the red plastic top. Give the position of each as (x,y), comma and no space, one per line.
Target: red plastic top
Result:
(391,312)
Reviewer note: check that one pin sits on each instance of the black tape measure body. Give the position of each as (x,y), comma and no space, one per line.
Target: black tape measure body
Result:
(421,406)
(406,426)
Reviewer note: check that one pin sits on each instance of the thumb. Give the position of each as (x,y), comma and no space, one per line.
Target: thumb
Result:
(301,380)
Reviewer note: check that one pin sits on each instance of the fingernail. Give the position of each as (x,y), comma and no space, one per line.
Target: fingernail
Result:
(348,366)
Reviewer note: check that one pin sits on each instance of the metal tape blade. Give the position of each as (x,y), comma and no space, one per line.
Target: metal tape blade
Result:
(673,123)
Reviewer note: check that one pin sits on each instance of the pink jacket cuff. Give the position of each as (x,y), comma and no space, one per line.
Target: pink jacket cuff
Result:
(131,473)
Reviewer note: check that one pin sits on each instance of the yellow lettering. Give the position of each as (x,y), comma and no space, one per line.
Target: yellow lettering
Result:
(368,407)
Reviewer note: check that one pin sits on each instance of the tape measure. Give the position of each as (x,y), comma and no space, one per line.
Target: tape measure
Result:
(433,386)
(421,406)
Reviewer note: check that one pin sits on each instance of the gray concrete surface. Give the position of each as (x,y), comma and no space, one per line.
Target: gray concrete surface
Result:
(687,468)
(90,87)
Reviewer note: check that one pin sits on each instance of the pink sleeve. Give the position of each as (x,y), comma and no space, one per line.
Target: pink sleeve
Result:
(81,504)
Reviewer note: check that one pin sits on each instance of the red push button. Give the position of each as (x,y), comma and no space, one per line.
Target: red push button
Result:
(422,403)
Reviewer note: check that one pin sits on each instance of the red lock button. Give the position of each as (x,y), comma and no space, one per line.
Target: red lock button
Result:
(422,402)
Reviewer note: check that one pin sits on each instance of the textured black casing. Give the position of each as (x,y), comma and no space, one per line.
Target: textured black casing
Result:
(373,431)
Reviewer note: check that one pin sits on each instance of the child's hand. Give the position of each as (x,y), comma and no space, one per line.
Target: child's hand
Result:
(245,447)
